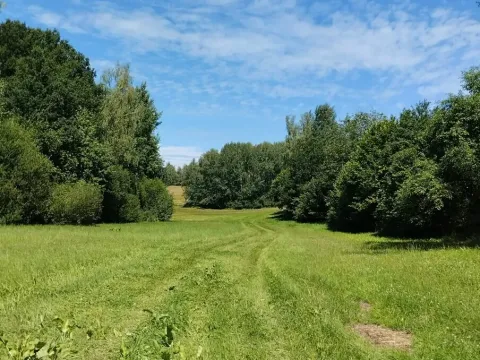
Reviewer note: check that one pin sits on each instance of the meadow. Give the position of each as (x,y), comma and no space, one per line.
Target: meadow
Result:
(225,284)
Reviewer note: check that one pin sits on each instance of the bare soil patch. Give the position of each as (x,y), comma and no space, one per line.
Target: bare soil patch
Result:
(385,337)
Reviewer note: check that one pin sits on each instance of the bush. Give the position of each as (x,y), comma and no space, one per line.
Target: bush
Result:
(420,201)
(156,201)
(76,203)
(25,173)
(130,211)
(119,204)
(10,202)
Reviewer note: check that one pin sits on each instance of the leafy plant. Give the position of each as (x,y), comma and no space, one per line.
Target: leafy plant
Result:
(29,347)
(78,203)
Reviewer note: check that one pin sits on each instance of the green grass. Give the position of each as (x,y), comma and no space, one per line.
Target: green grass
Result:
(235,285)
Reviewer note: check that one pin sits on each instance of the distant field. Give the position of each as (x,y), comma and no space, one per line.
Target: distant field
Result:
(177,193)
(235,285)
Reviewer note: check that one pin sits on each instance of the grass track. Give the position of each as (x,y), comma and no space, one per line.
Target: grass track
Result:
(237,285)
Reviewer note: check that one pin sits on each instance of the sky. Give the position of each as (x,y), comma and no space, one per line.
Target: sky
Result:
(231,70)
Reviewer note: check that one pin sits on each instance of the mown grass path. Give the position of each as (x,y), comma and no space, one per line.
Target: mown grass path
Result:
(234,285)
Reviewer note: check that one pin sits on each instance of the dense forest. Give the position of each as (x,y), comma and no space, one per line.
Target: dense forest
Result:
(73,150)
(417,174)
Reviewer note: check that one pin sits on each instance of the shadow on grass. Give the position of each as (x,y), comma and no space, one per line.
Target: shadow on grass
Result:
(282,215)
(423,244)
(386,242)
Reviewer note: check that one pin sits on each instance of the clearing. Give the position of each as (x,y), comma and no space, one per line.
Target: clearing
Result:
(235,285)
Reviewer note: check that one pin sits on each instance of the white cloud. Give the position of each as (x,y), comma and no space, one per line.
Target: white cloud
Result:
(279,42)
(100,65)
(180,155)
(54,20)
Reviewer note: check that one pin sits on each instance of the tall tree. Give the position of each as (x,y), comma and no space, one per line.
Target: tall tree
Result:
(170,176)
(46,83)
(129,121)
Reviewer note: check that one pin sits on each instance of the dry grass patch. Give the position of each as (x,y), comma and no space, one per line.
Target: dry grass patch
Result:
(385,337)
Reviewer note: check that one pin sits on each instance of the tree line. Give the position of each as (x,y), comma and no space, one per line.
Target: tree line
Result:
(416,174)
(73,150)
(238,176)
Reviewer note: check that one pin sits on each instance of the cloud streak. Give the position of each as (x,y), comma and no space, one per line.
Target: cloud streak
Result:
(280,43)
(180,155)
(285,50)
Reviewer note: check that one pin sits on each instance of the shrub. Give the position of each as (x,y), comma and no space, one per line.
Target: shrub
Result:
(156,201)
(25,173)
(118,205)
(10,202)
(420,201)
(76,203)
(130,211)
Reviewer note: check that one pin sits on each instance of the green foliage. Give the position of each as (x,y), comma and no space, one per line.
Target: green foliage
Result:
(130,209)
(317,148)
(283,190)
(77,203)
(129,120)
(86,155)
(28,347)
(312,202)
(102,134)
(25,174)
(171,176)
(47,82)
(156,201)
(420,200)
(471,80)
(415,176)
(120,204)
(239,176)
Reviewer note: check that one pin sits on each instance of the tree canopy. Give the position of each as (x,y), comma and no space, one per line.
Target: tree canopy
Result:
(416,174)
(73,138)
(238,176)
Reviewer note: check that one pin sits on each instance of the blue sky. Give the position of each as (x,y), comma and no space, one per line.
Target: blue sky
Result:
(230,70)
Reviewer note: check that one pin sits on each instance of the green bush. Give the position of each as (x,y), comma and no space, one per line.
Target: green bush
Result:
(156,201)
(25,173)
(420,201)
(118,205)
(130,211)
(76,203)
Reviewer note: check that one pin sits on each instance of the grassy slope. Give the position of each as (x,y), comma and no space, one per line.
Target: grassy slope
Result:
(237,284)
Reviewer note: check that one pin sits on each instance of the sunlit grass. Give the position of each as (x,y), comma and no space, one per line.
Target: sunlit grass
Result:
(234,285)
(177,193)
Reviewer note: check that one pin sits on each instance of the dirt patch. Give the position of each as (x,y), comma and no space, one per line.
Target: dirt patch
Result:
(365,306)
(385,337)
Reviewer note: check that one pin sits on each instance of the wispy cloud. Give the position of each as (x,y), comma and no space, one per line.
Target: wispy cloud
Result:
(282,46)
(180,155)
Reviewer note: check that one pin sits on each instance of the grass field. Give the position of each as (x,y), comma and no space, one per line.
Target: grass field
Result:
(233,285)
(177,193)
